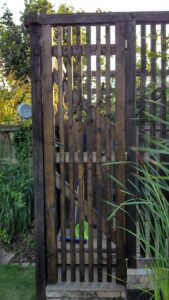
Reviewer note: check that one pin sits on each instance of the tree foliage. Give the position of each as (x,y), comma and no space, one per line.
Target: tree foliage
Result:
(14,39)
(13,92)
(14,48)
(15,58)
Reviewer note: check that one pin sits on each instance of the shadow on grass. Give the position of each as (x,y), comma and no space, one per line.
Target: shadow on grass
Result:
(17,282)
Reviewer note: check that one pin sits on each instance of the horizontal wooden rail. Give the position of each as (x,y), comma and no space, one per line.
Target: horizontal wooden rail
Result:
(97,18)
(85,155)
(83,49)
(103,74)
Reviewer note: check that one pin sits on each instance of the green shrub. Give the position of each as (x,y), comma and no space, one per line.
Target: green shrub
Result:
(4,236)
(16,188)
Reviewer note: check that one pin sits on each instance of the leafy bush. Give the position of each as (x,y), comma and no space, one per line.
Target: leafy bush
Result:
(4,236)
(12,93)
(16,188)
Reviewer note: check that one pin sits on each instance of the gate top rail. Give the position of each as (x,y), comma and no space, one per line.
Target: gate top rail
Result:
(97,18)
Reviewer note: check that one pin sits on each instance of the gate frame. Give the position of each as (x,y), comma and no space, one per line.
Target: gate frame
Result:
(35,23)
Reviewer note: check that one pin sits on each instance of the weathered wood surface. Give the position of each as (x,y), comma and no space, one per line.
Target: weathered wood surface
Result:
(142,105)
(120,148)
(7,148)
(83,50)
(62,151)
(103,158)
(109,185)
(80,156)
(71,152)
(99,185)
(39,193)
(163,79)
(153,106)
(98,18)
(130,138)
(112,74)
(89,156)
(49,153)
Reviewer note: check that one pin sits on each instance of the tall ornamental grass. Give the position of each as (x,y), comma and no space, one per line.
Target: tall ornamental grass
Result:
(150,196)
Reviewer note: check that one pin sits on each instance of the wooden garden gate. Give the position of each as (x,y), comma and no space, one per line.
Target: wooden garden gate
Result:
(83,88)
(77,97)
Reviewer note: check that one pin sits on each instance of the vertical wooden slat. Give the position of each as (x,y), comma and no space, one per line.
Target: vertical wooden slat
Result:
(80,157)
(62,154)
(142,86)
(108,152)
(142,103)
(153,79)
(98,157)
(89,154)
(153,108)
(130,121)
(49,151)
(37,127)
(120,148)
(163,80)
(71,153)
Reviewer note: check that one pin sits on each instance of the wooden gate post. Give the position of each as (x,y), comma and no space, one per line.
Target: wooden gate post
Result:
(130,133)
(49,152)
(35,35)
(120,149)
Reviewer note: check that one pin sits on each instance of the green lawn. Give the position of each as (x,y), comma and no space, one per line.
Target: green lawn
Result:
(17,283)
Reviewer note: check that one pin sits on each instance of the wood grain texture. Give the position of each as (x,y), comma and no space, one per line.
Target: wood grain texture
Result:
(85,155)
(130,120)
(62,152)
(98,156)
(89,156)
(109,184)
(83,49)
(142,87)
(49,152)
(163,80)
(38,163)
(98,18)
(120,148)
(80,156)
(71,152)
(153,78)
